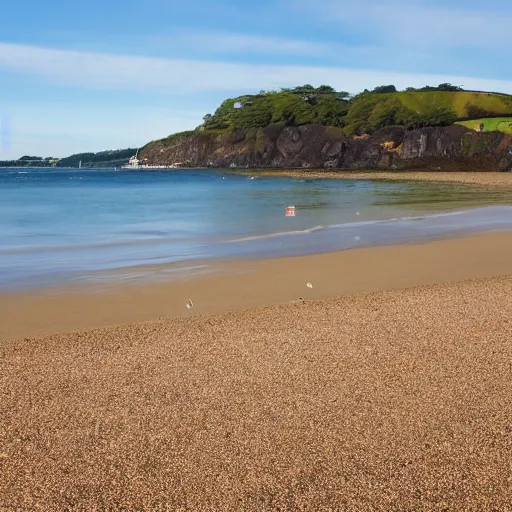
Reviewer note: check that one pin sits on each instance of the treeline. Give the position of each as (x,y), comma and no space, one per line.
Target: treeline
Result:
(30,161)
(446,87)
(301,105)
(359,114)
(356,115)
(24,163)
(101,159)
(97,159)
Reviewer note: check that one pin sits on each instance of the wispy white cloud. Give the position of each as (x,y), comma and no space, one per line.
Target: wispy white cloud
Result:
(58,129)
(239,43)
(421,23)
(177,76)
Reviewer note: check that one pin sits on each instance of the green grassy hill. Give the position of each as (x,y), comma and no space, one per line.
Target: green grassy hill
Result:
(490,124)
(466,105)
(361,114)
(415,109)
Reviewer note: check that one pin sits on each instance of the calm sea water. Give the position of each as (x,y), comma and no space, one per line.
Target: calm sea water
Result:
(64,225)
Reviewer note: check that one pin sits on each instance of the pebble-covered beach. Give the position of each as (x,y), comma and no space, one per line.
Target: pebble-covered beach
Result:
(394,400)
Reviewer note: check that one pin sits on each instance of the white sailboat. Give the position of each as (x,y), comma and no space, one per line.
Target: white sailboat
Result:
(80,164)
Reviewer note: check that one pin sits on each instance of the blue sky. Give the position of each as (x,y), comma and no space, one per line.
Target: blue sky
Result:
(88,76)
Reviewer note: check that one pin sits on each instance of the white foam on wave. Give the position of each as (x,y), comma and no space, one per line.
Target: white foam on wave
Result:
(347,225)
(395,219)
(278,234)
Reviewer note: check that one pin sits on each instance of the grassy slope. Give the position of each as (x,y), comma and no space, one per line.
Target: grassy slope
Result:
(500,124)
(492,104)
(466,105)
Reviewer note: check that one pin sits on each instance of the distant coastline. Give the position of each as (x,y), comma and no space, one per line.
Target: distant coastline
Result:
(109,158)
(485,179)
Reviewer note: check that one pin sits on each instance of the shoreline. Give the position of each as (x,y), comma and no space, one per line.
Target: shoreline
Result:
(485,179)
(243,283)
(384,385)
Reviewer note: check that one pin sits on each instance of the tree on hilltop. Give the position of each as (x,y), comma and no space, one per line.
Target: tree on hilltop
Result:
(325,89)
(383,89)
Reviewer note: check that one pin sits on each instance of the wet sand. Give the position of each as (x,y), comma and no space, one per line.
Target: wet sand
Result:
(394,400)
(484,179)
(240,284)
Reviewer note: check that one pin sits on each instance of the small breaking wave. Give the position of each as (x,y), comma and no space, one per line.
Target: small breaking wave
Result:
(395,219)
(346,225)
(278,234)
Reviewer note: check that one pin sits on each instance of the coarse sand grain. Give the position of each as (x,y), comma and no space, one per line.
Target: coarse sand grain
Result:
(395,400)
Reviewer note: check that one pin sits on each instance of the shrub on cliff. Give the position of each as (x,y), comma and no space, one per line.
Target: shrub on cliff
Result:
(435,116)
(301,105)
(363,113)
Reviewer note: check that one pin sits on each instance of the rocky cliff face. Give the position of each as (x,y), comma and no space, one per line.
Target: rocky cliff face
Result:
(317,146)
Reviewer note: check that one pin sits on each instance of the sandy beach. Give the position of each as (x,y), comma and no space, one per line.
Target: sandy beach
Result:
(397,399)
(384,385)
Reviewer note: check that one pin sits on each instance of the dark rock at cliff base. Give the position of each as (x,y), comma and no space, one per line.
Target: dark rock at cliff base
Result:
(316,146)
(505,164)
